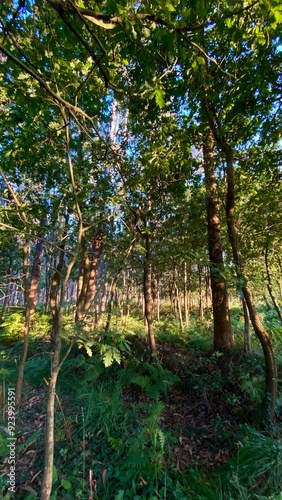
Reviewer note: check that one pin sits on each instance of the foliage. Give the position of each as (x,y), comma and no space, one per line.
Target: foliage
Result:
(111,422)
(111,346)
(12,327)
(103,118)
(256,469)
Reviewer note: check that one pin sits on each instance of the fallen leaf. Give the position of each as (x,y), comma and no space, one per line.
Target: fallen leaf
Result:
(104,475)
(143,481)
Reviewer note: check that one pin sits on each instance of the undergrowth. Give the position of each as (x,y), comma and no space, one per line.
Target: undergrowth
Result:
(112,440)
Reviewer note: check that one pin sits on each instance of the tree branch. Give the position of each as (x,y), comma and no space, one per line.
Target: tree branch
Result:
(72,109)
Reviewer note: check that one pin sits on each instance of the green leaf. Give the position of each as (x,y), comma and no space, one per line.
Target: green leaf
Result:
(119,495)
(109,355)
(31,439)
(170,7)
(54,475)
(159,95)
(88,350)
(66,484)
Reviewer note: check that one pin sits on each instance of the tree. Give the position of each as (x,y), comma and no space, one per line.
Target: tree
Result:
(223,338)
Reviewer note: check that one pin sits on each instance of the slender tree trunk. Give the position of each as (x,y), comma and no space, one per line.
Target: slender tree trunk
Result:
(279,281)
(154,289)
(31,292)
(177,299)
(208,287)
(95,255)
(26,327)
(186,292)
(147,280)
(262,334)
(158,299)
(56,364)
(201,305)
(7,291)
(111,303)
(268,305)
(82,284)
(49,437)
(247,333)
(270,287)
(54,289)
(223,337)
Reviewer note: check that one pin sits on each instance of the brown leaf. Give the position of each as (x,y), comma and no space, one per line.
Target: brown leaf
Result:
(34,477)
(178,466)
(29,489)
(143,481)
(104,475)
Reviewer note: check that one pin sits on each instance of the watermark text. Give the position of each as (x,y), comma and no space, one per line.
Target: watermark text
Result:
(11,445)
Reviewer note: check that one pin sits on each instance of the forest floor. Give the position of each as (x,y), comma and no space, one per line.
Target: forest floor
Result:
(205,425)
(209,404)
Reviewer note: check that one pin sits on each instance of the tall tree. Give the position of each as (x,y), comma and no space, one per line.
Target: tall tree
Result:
(223,338)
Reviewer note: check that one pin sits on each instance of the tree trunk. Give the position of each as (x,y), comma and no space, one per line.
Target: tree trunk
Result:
(270,287)
(279,281)
(147,280)
(8,290)
(261,333)
(186,291)
(263,336)
(82,284)
(54,289)
(158,299)
(111,303)
(247,334)
(31,292)
(223,337)
(56,364)
(95,255)
(177,299)
(201,305)
(49,438)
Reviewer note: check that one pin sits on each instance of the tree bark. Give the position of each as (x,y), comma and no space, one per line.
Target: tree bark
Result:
(49,437)
(95,255)
(201,305)
(186,292)
(8,290)
(262,334)
(31,292)
(87,281)
(177,299)
(54,289)
(247,335)
(223,337)
(147,280)
(82,284)
(270,286)
(111,303)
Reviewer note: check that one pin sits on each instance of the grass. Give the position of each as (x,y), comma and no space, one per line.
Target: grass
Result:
(146,431)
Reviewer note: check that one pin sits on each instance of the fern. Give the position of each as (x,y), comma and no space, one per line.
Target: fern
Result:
(161,438)
(115,443)
(109,354)
(142,381)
